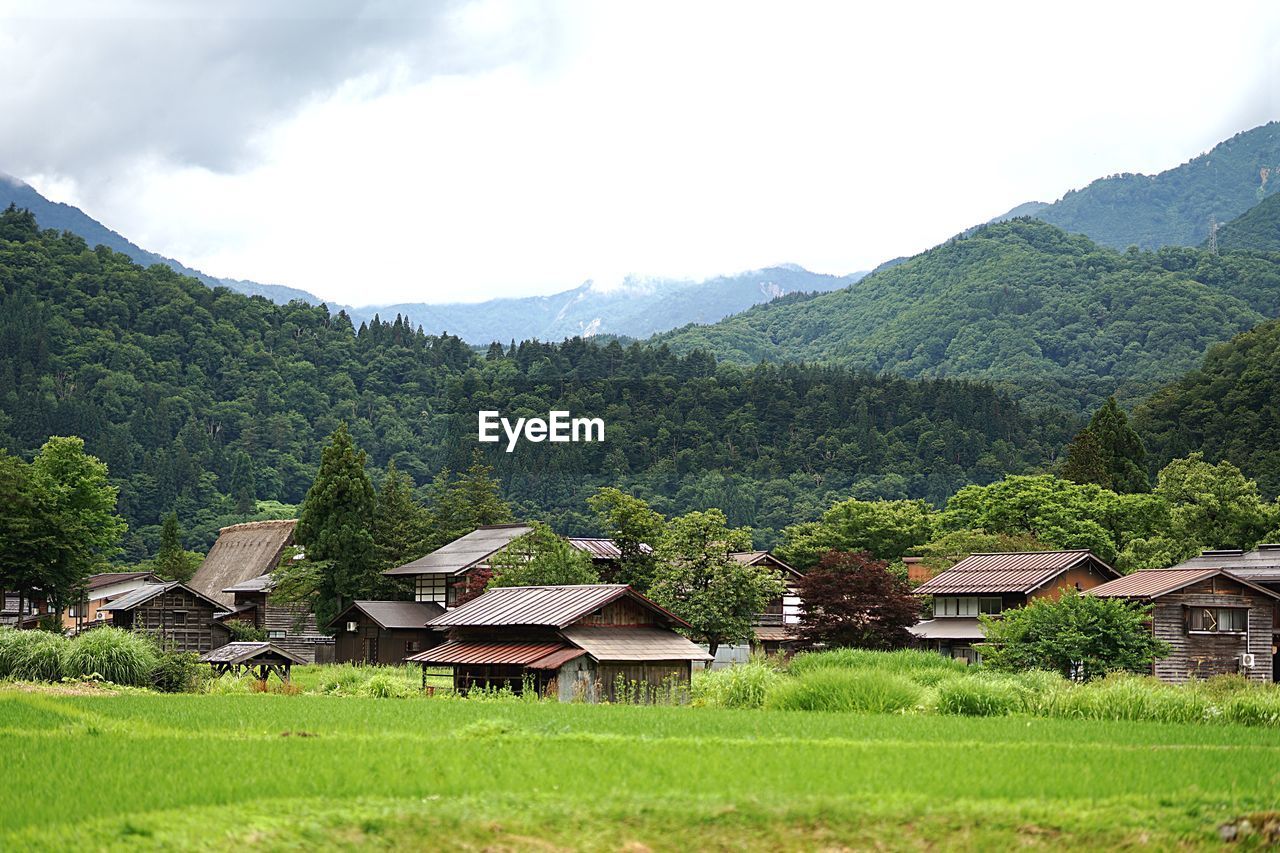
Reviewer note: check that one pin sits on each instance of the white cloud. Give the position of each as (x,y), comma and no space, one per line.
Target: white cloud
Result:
(596,141)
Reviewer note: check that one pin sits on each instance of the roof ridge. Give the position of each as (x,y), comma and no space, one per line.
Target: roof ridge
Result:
(263,523)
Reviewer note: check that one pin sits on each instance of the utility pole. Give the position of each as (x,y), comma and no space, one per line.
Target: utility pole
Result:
(1213,235)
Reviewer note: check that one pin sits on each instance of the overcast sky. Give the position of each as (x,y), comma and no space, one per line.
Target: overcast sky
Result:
(472,150)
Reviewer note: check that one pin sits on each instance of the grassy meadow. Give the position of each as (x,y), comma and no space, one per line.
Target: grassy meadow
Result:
(136,769)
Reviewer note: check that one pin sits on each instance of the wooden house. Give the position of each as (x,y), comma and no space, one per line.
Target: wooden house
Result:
(237,574)
(446,574)
(1214,621)
(587,642)
(173,612)
(989,584)
(101,589)
(772,630)
(605,555)
(384,632)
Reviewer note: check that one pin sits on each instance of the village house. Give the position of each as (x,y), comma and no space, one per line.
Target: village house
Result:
(384,632)
(179,616)
(99,590)
(440,576)
(585,642)
(22,611)
(989,584)
(1214,621)
(605,555)
(237,574)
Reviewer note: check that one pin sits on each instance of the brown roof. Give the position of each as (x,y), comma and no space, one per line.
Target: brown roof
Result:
(465,551)
(394,615)
(108,578)
(456,651)
(772,633)
(247,651)
(1261,565)
(1021,572)
(602,549)
(754,558)
(1153,583)
(557,659)
(148,591)
(552,606)
(607,643)
(242,552)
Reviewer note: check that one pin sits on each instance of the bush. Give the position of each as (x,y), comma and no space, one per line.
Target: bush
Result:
(243,632)
(385,685)
(869,691)
(743,686)
(176,672)
(904,661)
(113,654)
(978,697)
(1254,707)
(31,655)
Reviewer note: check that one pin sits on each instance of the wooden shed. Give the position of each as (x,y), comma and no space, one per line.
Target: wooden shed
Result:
(258,659)
(173,612)
(587,642)
(1215,622)
(384,632)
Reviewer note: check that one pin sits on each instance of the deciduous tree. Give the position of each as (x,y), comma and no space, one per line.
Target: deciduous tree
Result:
(541,558)
(634,527)
(853,600)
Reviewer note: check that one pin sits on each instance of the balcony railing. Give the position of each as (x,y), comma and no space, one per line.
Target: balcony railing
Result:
(768,620)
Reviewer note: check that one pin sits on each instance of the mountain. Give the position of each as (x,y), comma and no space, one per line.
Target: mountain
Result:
(169,382)
(1229,408)
(1051,316)
(1256,230)
(52,214)
(1175,207)
(635,308)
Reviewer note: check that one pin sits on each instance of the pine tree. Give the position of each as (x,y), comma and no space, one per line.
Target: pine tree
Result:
(243,485)
(1084,462)
(333,527)
(478,497)
(1109,453)
(400,526)
(172,560)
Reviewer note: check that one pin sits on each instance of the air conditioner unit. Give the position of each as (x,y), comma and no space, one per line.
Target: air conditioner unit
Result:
(1248,660)
(352,627)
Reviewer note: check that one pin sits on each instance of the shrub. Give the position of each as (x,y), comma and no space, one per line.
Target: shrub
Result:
(978,697)
(176,672)
(743,686)
(31,655)
(385,685)
(115,655)
(1254,707)
(243,632)
(841,690)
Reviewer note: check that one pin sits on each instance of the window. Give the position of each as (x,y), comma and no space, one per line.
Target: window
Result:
(275,635)
(950,605)
(990,605)
(431,588)
(179,617)
(411,646)
(1218,620)
(73,611)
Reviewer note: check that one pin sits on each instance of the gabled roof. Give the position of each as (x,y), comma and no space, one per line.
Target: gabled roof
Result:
(1153,583)
(262,583)
(1021,572)
(235,653)
(1261,565)
(755,558)
(465,551)
(242,552)
(108,578)
(602,549)
(546,606)
(607,643)
(145,593)
(393,615)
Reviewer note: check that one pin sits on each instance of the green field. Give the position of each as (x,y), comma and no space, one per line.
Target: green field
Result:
(277,771)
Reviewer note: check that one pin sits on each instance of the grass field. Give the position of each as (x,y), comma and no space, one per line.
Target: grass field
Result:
(274,771)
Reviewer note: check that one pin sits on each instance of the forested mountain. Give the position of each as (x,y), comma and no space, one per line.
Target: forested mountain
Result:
(65,217)
(169,381)
(1174,207)
(1256,230)
(1229,408)
(1051,316)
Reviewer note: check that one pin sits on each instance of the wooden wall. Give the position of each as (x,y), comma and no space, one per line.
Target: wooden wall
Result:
(624,611)
(160,616)
(1205,655)
(388,646)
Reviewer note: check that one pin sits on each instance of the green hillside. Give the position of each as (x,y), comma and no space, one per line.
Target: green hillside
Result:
(1257,230)
(1229,408)
(168,381)
(1051,316)
(1174,207)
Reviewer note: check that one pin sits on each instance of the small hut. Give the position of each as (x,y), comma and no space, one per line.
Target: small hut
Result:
(384,632)
(174,612)
(260,660)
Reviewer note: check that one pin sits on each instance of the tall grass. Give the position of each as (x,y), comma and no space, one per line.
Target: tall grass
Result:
(902,661)
(113,654)
(978,697)
(742,686)
(832,689)
(1130,697)
(31,655)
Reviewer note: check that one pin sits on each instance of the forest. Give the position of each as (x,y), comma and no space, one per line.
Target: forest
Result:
(215,405)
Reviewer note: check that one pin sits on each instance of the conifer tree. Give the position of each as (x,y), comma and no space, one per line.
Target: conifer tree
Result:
(400,524)
(243,485)
(172,560)
(1108,453)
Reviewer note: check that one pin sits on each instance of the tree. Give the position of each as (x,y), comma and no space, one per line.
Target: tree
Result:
(401,527)
(27,536)
(1213,506)
(172,560)
(244,492)
(634,527)
(1085,462)
(853,600)
(458,505)
(885,529)
(541,558)
(81,508)
(698,581)
(333,527)
(1079,635)
(949,548)
(1123,456)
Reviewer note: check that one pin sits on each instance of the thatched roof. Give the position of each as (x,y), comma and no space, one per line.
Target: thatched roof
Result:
(242,552)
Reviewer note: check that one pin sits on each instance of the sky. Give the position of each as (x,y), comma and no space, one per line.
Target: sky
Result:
(375,153)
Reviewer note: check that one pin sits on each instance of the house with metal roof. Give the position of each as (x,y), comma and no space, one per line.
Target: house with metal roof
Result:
(179,616)
(1214,620)
(98,590)
(384,632)
(586,642)
(989,584)
(447,575)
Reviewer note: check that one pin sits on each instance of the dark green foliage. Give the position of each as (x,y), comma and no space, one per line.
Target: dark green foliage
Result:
(1175,206)
(1108,453)
(1079,636)
(244,490)
(1051,316)
(244,632)
(401,526)
(1256,230)
(167,381)
(1229,409)
(541,558)
(172,560)
(176,672)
